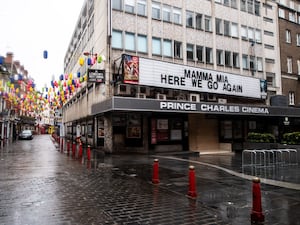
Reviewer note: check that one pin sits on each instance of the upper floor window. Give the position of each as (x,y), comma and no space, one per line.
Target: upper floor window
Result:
(292,17)
(156,46)
(257,8)
(199,21)
(208,23)
(219,26)
(130,41)
(288,36)
(298,39)
(209,55)
(298,66)
(189,19)
(291,98)
(245,62)
(281,13)
(234,30)
(167,48)
(117,39)
(227,28)
(142,7)
(177,16)
(220,57)
(117,4)
(129,6)
(258,36)
(270,79)
(166,13)
(199,53)
(243,5)
(177,49)
(235,60)
(155,10)
(142,43)
(228,58)
(190,52)
(289,65)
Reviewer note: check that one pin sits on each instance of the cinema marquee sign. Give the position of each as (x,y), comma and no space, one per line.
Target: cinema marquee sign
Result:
(212,108)
(170,75)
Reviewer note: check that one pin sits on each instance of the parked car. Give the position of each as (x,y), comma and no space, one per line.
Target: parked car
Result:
(26,135)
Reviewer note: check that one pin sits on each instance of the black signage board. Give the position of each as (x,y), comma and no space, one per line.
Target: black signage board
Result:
(95,75)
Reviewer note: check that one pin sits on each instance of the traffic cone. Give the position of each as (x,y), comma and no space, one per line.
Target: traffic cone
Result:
(257,217)
(80,151)
(88,153)
(155,179)
(192,183)
(68,147)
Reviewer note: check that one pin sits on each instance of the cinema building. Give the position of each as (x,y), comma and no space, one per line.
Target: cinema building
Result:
(174,76)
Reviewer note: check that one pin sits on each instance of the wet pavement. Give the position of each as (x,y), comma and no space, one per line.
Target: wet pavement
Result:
(39,184)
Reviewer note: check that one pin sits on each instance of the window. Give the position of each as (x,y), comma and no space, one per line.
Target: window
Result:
(270,79)
(228,58)
(268,33)
(142,7)
(252,63)
(259,61)
(177,16)
(251,34)
(199,53)
(177,49)
(234,4)
(281,13)
(167,48)
(219,28)
(298,39)
(189,19)
(289,65)
(156,46)
(298,65)
(235,60)
(190,52)
(250,6)
(155,10)
(244,33)
(129,6)
(288,36)
(220,57)
(130,41)
(208,23)
(257,8)
(291,98)
(245,62)
(117,39)
(166,13)
(208,55)
(117,4)
(226,2)
(226,28)
(234,30)
(142,43)
(292,17)
(243,5)
(258,36)
(199,21)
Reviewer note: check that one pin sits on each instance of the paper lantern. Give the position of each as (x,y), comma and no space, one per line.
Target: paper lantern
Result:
(89,61)
(45,54)
(81,61)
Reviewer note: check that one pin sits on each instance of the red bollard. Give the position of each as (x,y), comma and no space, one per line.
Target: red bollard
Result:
(155,176)
(73,149)
(192,183)
(80,151)
(68,147)
(257,217)
(88,153)
(62,145)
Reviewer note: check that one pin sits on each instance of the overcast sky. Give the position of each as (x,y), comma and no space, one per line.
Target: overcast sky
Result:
(28,27)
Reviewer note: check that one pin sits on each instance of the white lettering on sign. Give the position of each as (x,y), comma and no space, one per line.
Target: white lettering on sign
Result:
(255,110)
(178,106)
(175,76)
(219,108)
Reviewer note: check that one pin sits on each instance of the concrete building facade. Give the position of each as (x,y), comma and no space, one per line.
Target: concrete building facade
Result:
(175,75)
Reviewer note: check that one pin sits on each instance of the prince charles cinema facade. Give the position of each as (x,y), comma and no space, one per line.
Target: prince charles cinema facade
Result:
(160,106)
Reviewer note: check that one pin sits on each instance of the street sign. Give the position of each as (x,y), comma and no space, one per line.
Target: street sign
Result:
(95,75)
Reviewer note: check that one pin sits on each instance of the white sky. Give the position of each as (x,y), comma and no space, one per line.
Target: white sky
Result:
(28,27)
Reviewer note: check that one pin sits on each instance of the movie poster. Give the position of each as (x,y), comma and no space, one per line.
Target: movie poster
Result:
(131,69)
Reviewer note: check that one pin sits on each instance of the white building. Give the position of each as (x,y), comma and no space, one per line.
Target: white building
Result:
(177,75)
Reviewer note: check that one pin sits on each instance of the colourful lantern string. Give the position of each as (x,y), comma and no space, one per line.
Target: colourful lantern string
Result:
(45,54)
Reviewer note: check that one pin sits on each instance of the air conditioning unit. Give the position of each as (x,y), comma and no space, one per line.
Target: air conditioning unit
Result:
(161,96)
(222,100)
(194,98)
(141,95)
(144,90)
(123,89)
(181,97)
(211,97)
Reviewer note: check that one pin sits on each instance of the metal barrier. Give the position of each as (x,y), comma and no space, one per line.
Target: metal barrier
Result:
(263,158)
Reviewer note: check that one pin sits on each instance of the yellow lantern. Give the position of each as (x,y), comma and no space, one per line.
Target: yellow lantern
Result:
(81,61)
